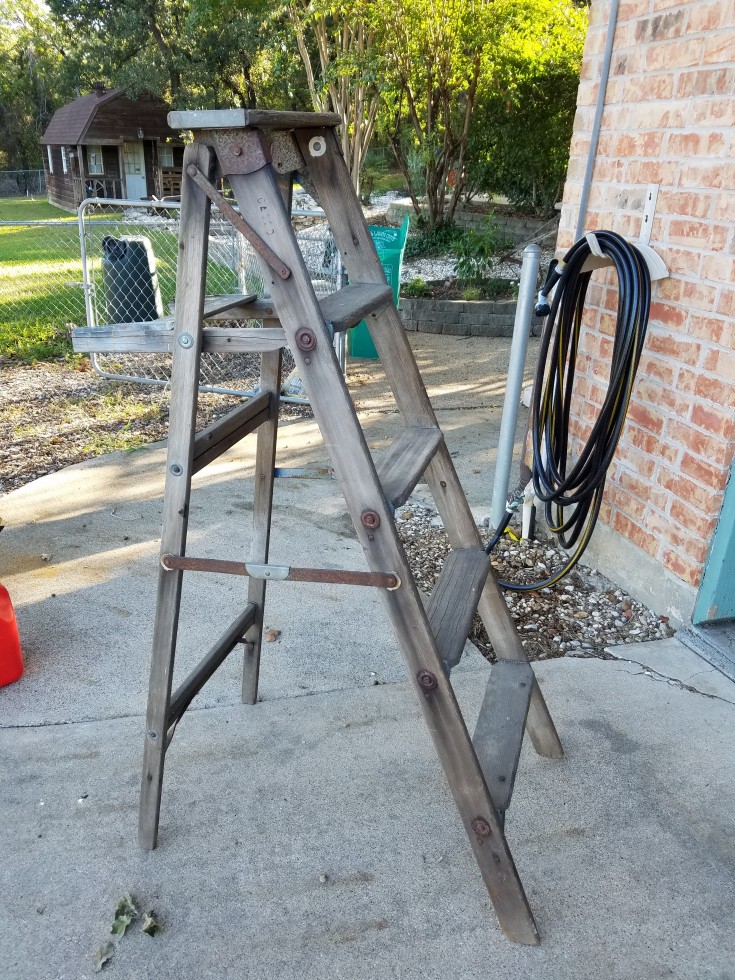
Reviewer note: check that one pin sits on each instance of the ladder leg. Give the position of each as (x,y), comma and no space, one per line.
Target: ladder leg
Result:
(265,458)
(190,279)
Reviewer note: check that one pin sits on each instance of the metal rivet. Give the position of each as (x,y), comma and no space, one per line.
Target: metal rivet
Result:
(186,340)
(176,469)
(305,339)
(153,736)
(481,827)
(307,360)
(426,680)
(443,484)
(237,150)
(370,519)
(317,146)
(192,171)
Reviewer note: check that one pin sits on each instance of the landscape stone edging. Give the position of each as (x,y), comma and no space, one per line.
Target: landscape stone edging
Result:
(460,317)
(516,227)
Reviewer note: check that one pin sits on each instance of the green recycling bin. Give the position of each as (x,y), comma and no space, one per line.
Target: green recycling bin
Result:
(129,280)
(390,244)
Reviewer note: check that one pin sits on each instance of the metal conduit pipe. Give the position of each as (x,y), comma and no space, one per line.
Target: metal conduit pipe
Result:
(595,135)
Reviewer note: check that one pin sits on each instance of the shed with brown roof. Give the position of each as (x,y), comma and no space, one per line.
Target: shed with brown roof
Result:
(106,144)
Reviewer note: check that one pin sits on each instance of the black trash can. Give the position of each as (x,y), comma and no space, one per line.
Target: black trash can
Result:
(129,280)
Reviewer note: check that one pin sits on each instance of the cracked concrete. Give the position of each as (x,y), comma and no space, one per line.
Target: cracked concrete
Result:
(669,660)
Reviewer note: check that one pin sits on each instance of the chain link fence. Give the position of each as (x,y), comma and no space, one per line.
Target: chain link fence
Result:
(22,183)
(117,264)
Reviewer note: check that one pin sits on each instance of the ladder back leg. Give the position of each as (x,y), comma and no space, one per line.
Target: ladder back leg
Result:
(265,460)
(190,288)
(334,411)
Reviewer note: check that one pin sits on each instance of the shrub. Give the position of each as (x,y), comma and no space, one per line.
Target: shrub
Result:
(476,251)
(415,289)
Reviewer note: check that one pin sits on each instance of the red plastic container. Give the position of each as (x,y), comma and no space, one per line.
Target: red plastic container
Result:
(11,660)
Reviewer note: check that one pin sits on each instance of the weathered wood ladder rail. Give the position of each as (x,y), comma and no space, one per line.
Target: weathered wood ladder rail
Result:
(259,152)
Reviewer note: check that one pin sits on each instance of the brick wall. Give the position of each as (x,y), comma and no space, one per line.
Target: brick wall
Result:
(669,119)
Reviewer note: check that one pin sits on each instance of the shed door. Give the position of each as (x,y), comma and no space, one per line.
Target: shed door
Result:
(134,171)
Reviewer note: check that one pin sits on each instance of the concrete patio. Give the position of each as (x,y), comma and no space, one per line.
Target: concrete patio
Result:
(313,835)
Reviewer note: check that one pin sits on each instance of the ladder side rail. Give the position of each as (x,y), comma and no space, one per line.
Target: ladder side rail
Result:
(300,315)
(360,258)
(190,280)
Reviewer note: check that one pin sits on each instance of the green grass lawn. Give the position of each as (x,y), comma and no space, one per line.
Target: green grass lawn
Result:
(41,271)
(31,209)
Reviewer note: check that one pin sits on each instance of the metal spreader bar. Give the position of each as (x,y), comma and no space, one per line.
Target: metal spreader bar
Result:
(283,573)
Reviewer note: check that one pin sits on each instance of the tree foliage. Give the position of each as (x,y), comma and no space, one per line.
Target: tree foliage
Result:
(31,52)
(433,58)
(525,110)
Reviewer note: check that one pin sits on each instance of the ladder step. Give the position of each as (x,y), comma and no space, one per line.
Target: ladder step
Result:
(499,731)
(453,602)
(150,338)
(402,464)
(346,307)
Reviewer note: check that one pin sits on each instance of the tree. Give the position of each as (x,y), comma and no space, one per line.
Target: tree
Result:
(525,111)
(191,52)
(433,56)
(31,51)
(336,41)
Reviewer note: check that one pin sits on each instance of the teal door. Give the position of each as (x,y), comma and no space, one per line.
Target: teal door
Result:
(716,599)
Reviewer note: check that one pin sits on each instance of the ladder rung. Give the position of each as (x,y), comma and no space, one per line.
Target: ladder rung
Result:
(225,432)
(401,465)
(500,725)
(150,338)
(453,602)
(255,118)
(346,307)
(188,689)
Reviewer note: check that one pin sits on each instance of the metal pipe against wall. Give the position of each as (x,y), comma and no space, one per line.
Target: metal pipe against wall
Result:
(595,135)
(518,348)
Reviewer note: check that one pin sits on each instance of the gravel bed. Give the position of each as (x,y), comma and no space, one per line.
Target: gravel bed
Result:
(579,617)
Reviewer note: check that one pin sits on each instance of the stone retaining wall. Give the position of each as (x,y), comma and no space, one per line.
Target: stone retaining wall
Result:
(517,228)
(460,318)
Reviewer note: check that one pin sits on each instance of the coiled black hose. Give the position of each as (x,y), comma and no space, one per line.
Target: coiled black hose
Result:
(572,490)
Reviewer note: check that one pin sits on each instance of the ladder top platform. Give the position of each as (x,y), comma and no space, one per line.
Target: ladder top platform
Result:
(250,119)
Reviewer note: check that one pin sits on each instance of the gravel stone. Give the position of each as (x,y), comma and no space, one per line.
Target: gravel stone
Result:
(580,616)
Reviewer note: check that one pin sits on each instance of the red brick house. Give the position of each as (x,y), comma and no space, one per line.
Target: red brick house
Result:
(666,528)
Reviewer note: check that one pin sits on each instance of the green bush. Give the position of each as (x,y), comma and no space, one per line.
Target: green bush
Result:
(424,242)
(415,289)
(476,251)
(522,124)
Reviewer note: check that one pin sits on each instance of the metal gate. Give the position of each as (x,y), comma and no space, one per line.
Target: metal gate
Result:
(232,267)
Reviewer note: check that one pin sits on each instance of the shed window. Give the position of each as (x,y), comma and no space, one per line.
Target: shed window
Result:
(50,160)
(64,164)
(167,156)
(94,159)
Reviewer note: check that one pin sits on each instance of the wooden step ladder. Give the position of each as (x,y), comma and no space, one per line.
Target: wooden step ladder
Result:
(259,152)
